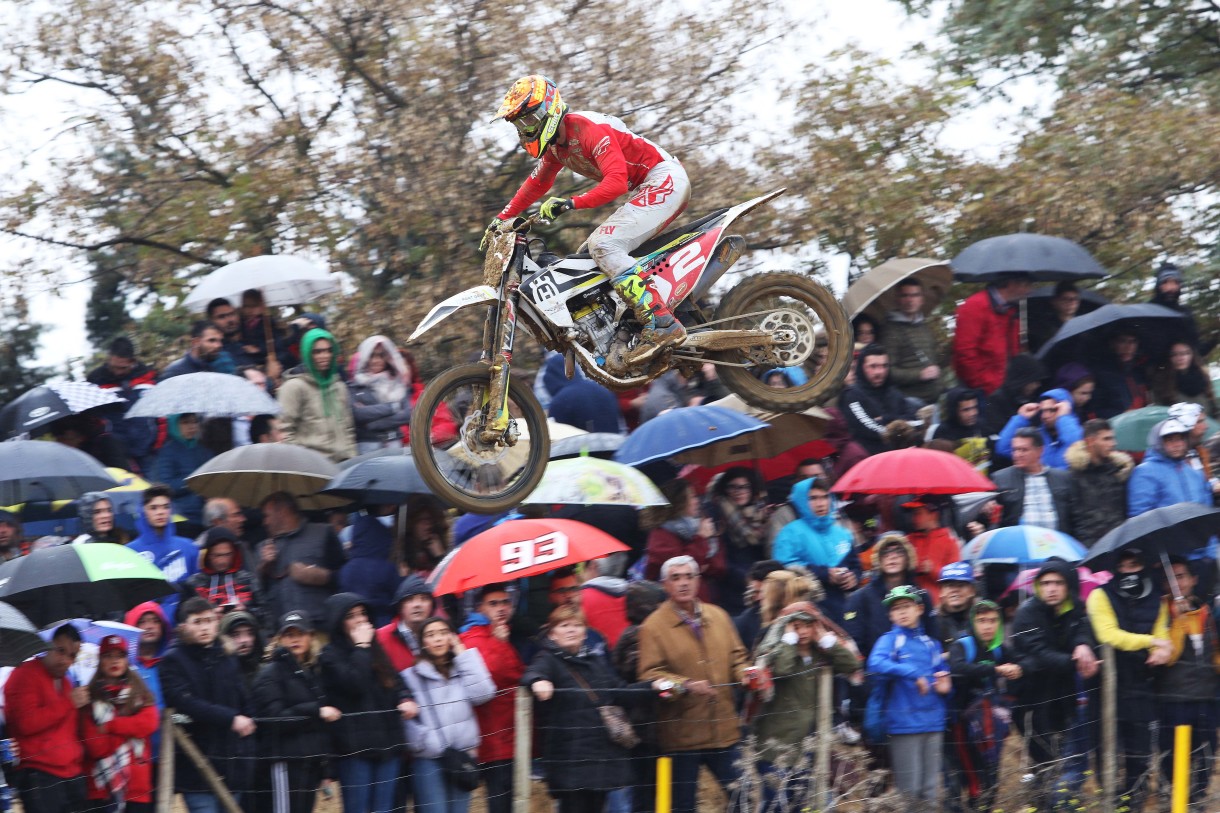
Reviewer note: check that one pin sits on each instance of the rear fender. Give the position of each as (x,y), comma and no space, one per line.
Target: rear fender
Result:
(479,295)
(694,262)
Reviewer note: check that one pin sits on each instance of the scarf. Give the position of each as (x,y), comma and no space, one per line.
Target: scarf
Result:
(683,527)
(390,385)
(323,378)
(114,772)
(743,526)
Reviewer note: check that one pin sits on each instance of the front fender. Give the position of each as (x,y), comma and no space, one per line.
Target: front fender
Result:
(443,310)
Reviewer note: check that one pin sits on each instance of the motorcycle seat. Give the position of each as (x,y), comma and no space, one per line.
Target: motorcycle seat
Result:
(661,240)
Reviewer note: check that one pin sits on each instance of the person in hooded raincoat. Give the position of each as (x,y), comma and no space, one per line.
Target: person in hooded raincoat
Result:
(381,394)
(818,542)
(181,455)
(316,407)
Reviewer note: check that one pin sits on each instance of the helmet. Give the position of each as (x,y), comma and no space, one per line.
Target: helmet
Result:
(535,109)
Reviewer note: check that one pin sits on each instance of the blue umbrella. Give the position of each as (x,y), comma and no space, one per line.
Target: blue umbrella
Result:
(681,430)
(1022,544)
(92,632)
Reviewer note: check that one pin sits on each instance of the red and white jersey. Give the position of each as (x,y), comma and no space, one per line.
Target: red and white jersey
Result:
(597,147)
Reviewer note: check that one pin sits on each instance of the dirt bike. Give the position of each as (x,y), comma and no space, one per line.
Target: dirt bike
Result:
(768,320)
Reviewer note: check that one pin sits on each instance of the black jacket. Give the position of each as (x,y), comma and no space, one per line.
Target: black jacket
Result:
(1011,496)
(286,689)
(1099,492)
(361,683)
(205,684)
(576,748)
(1023,370)
(1043,641)
(867,409)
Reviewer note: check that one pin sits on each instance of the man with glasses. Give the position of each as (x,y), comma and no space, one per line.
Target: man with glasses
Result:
(42,707)
(1054,418)
(601,148)
(914,351)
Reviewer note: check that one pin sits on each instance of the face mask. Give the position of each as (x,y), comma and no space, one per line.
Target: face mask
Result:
(387,521)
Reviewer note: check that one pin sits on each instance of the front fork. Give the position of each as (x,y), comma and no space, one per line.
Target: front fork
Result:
(498,348)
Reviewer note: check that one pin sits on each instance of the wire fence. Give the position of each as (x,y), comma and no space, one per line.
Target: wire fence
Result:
(1098,746)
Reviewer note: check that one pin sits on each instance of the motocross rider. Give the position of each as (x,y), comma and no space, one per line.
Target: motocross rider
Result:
(601,148)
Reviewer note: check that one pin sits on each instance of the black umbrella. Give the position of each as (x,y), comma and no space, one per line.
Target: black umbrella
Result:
(1063,346)
(46,404)
(43,470)
(1175,530)
(379,480)
(18,637)
(80,581)
(1042,257)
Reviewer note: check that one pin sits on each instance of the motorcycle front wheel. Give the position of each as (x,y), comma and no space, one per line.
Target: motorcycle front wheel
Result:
(807,311)
(467,468)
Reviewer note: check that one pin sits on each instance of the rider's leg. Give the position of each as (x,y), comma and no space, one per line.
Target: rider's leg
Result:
(652,207)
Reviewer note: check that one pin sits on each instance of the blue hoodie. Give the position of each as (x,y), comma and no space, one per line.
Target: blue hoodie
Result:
(176,555)
(1159,481)
(1067,430)
(177,460)
(900,657)
(369,571)
(817,543)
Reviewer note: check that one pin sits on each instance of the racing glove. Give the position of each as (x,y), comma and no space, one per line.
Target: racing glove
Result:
(554,207)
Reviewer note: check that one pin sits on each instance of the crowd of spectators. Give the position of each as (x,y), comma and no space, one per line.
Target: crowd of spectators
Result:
(304,650)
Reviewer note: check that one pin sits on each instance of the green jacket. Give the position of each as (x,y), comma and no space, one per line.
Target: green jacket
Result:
(791,714)
(912,346)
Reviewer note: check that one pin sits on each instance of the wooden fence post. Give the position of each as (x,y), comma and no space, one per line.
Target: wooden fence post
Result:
(205,770)
(825,737)
(165,764)
(523,722)
(1109,729)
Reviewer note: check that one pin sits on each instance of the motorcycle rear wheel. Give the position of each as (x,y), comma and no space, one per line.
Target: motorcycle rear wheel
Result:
(478,477)
(817,307)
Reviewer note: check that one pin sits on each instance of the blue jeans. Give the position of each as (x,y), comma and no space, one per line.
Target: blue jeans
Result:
(722,762)
(197,802)
(368,784)
(433,793)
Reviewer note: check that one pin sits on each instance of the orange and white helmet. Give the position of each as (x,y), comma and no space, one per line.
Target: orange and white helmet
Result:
(535,109)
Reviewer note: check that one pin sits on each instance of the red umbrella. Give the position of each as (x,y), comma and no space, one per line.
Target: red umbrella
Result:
(912,471)
(517,549)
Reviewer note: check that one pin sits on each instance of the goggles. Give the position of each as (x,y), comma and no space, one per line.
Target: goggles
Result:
(529,123)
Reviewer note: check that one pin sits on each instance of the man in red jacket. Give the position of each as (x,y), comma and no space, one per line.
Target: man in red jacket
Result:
(487,631)
(988,332)
(42,712)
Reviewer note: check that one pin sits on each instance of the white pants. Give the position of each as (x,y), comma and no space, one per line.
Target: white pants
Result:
(652,207)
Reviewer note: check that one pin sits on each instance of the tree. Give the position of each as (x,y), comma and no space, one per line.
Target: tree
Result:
(18,347)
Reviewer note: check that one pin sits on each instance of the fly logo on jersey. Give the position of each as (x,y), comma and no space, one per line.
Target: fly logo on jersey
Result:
(654,195)
(606,230)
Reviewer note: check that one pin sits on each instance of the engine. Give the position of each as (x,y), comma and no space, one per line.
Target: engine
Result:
(595,319)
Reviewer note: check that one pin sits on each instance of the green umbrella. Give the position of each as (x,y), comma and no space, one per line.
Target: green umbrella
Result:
(1131,428)
(89,581)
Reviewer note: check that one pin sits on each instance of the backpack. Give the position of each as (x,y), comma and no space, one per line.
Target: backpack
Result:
(987,719)
(876,723)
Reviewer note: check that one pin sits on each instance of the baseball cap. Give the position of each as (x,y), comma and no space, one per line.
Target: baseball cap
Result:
(957,572)
(918,502)
(903,592)
(1186,413)
(295,619)
(112,643)
(1173,426)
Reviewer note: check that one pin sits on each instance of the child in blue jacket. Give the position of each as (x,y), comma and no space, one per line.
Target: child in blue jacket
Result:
(909,666)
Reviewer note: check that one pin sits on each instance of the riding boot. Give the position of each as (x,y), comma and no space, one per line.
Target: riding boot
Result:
(660,328)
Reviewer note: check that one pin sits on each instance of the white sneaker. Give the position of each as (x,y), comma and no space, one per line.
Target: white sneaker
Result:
(847,734)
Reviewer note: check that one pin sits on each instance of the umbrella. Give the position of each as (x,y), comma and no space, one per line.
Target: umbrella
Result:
(217,395)
(874,292)
(43,470)
(92,632)
(70,581)
(18,637)
(1045,258)
(518,549)
(283,280)
(381,480)
(1178,529)
(1131,428)
(248,474)
(681,430)
(592,443)
(1022,544)
(912,471)
(1089,581)
(590,481)
(784,431)
(1062,346)
(46,404)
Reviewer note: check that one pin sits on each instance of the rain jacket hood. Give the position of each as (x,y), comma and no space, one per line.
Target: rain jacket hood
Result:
(953,399)
(321,378)
(176,433)
(336,607)
(84,509)
(393,384)
(1069,575)
(205,551)
(137,612)
(998,639)
(412,585)
(861,381)
(809,539)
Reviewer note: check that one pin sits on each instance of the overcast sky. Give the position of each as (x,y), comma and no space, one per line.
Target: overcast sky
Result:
(32,121)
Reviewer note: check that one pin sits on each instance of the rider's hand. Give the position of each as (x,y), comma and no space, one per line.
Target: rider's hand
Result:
(495,225)
(554,207)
